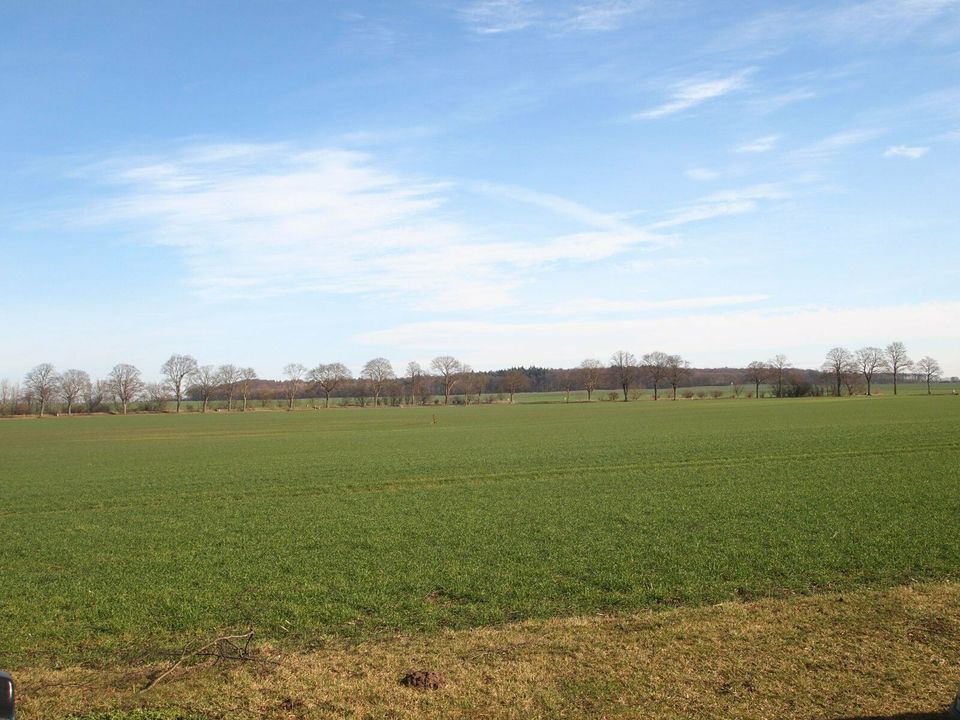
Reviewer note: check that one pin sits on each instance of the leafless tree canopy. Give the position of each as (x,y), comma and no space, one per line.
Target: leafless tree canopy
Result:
(204,383)
(42,383)
(677,371)
(296,375)
(329,377)
(839,363)
(179,371)
(377,372)
(929,370)
(449,370)
(868,361)
(126,384)
(757,373)
(228,377)
(591,372)
(656,368)
(513,382)
(897,361)
(247,376)
(623,365)
(778,371)
(73,384)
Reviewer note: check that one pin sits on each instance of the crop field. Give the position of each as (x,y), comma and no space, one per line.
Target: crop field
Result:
(123,537)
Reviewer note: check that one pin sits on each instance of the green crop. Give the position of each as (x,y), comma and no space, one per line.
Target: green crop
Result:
(128,537)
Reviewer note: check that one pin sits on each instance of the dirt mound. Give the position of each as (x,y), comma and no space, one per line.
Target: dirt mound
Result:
(423,679)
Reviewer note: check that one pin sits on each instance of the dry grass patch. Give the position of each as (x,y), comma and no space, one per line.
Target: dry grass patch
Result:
(890,654)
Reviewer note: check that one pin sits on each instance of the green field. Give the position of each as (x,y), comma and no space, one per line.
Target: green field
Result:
(126,536)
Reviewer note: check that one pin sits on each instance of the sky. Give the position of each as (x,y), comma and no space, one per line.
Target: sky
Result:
(512,182)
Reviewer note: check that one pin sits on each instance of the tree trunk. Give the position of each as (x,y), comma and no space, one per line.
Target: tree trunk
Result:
(626,387)
(203,408)
(757,393)
(589,393)
(674,392)
(654,392)
(178,402)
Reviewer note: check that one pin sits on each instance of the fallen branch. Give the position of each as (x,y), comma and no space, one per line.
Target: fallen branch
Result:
(227,647)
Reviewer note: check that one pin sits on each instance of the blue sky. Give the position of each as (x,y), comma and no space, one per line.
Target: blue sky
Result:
(507,181)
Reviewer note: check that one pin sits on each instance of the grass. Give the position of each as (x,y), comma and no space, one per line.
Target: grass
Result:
(126,537)
(892,654)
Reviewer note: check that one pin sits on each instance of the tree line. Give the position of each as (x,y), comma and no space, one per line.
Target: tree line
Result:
(184,379)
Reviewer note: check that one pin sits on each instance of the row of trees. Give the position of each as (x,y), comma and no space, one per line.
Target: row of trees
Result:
(847,368)
(183,378)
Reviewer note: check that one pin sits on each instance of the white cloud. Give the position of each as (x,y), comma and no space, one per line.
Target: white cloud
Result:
(600,16)
(905,151)
(736,337)
(759,145)
(266,220)
(867,22)
(691,93)
(833,144)
(719,204)
(701,174)
(597,306)
(492,17)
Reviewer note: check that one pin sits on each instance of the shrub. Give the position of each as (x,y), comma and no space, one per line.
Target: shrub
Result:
(687,394)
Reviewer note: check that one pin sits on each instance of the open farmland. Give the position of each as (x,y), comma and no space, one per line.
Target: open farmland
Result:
(125,536)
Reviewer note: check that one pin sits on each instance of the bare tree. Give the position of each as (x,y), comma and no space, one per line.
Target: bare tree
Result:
(247,376)
(757,373)
(157,395)
(778,368)
(929,370)
(591,371)
(204,383)
(179,370)
(478,383)
(868,361)
(95,394)
(624,367)
(329,378)
(678,370)
(838,363)
(379,372)
(656,366)
(227,378)
(73,384)
(515,381)
(42,383)
(126,384)
(568,381)
(9,395)
(412,380)
(897,360)
(449,369)
(296,375)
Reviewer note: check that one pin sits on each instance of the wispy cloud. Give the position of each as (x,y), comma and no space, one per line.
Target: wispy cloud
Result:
(691,93)
(493,17)
(598,306)
(759,145)
(264,220)
(702,174)
(836,143)
(737,336)
(905,151)
(865,22)
(727,202)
